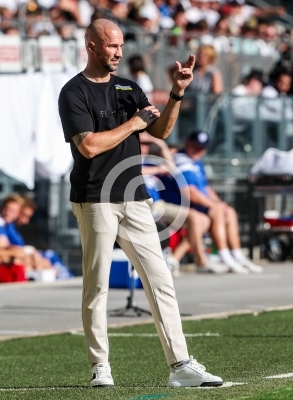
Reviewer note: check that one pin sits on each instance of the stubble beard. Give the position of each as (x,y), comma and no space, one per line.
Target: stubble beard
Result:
(107,66)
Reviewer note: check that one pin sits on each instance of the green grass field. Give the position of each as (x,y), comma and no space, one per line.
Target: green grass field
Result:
(243,349)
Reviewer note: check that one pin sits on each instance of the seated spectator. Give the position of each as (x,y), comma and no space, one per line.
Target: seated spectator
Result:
(252,85)
(12,244)
(280,83)
(206,77)
(223,218)
(245,107)
(51,258)
(138,73)
(277,108)
(195,223)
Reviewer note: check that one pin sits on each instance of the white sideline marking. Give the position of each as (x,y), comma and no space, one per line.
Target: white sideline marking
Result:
(225,384)
(281,376)
(30,389)
(230,384)
(113,334)
(2,332)
(255,276)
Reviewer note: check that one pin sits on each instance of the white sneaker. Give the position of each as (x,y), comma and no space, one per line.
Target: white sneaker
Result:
(235,267)
(102,375)
(192,374)
(172,262)
(212,268)
(246,263)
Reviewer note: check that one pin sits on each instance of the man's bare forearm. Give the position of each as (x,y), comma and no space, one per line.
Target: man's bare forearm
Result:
(164,125)
(91,144)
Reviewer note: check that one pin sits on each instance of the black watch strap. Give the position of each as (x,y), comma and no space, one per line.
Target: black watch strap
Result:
(175,96)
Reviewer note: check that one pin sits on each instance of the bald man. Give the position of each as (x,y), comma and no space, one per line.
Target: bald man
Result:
(102,115)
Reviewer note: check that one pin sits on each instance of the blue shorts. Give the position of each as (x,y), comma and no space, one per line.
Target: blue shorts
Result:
(202,209)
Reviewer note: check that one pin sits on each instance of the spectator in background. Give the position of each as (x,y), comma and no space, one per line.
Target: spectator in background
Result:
(11,30)
(119,9)
(252,85)
(194,30)
(13,245)
(17,211)
(280,83)
(196,223)
(179,28)
(222,27)
(245,107)
(267,40)
(26,213)
(223,218)
(200,10)
(9,212)
(138,73)
(206,76)
(277,107)
(222,33)
(149,17)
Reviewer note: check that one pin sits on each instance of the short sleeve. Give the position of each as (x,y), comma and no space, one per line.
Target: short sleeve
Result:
(74,114)
(203,174)
(142,99)
(185,179)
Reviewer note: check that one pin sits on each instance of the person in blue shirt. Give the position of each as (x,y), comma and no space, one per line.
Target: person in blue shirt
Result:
(195,223)
(224,228)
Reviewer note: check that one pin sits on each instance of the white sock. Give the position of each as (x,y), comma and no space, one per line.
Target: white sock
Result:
(237,254)
(225,256)
(181,364)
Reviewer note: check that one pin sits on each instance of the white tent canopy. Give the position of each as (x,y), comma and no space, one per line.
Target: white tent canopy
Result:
(31,132)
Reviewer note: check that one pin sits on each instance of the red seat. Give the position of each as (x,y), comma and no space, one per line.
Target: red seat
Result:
(12,273)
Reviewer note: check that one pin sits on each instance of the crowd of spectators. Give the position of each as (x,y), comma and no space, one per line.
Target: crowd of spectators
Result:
(185,18)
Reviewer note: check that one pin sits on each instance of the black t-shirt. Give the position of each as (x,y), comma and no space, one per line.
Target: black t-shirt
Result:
(86,106)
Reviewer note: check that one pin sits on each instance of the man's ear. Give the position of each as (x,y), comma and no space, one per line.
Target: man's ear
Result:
(91,47)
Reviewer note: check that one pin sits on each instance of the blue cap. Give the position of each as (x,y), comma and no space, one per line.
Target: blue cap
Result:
(201,138)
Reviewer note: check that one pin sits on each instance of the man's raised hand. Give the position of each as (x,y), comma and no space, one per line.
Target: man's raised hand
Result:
(183,75)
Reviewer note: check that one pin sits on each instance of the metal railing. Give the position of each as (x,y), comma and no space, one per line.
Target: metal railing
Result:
(236,57)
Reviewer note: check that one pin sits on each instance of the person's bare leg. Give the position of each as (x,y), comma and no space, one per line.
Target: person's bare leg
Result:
(181,249)
(197,225)
(224,226)
(218,229)
(232,229)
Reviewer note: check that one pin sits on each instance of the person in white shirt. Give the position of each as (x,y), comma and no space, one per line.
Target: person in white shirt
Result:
(138,73)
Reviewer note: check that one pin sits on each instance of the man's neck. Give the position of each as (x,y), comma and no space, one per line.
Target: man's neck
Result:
(97,78)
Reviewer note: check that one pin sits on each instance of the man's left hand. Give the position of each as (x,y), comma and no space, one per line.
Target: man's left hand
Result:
(183,75)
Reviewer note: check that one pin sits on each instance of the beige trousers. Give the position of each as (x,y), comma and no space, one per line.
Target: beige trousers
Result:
(132,225)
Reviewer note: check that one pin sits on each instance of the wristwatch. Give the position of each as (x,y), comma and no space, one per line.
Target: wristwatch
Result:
(175,96)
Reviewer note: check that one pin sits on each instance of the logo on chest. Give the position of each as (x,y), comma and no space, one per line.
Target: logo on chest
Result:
(120,87)
(111,114)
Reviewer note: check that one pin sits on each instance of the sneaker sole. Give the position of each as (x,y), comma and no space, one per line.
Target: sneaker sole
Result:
(205,384)
(190,383)
(101,386)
